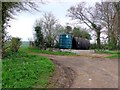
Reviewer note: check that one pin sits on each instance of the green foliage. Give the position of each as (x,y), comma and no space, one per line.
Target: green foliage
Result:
(22,70)
(68,29)
(77,32)
(85,34)
(15,44)
(49,41)
(112,43)
(114,56)
(93,46)
(11,46)
(49,26)
(110,46)
(39,40)
(104,46)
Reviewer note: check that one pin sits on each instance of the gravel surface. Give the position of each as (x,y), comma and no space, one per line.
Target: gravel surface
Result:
(87,71)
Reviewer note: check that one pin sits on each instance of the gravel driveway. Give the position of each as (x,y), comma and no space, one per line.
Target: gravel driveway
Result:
(90,72)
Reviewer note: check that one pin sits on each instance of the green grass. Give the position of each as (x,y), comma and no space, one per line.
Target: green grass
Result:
(107,52)
(27,49)
(114,54)
(22,70)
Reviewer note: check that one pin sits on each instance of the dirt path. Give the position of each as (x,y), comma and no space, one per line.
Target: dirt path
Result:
(90,72)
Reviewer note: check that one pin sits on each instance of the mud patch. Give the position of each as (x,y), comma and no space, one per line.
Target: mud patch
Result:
(63,77)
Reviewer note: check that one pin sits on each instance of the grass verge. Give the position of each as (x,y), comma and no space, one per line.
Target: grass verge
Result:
(27,49)
(114,54)
(22,70)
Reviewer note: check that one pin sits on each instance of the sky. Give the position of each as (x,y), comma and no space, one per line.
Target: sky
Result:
(22,25)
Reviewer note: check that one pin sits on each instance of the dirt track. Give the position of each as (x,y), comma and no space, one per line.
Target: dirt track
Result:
(90,72)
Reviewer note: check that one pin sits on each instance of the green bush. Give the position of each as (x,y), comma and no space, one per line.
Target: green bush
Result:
(39,41)
(93,46)
(11,46)
(15,44)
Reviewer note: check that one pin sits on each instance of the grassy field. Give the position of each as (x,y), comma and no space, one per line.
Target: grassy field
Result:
(25,44)
(114,54)
(27,49)
(22,70)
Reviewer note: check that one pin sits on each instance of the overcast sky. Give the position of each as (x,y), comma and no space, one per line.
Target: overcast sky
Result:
(22,26)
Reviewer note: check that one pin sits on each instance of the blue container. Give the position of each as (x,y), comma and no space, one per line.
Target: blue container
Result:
(65,41)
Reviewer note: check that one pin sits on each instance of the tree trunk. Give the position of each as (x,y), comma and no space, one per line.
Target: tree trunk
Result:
(1,30)
(118,24)
(98,39)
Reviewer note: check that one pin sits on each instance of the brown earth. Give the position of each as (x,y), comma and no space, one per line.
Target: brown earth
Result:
(84,71)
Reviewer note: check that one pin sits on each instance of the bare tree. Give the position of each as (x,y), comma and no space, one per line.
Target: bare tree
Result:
(108,15)
(58,29)
(48,24)
(85,15)
(117,8)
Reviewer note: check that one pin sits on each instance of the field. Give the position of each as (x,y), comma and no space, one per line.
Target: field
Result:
(25,44)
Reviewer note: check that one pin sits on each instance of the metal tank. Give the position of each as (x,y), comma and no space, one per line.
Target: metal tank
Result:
(65,41)
(80,43)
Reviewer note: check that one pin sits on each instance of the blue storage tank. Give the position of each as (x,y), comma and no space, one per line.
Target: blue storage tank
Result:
(65,41)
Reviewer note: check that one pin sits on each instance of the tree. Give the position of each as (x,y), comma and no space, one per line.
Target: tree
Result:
(15,44)
(57,31)
(39,40)
(84,15)
(0,30)
(9,9)
(79,32)
(68,29)
(107,14)
(117,8)
(48,24)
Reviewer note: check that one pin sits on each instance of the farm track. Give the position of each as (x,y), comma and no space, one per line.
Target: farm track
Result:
(84,71)
(63,77)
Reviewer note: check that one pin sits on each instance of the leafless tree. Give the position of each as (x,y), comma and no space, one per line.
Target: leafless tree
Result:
(85,15)
(50,27)
(108,15)
(117,8)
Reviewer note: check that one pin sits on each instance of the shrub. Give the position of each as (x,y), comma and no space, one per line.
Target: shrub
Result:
(11,46)
(15,44)
(39,40)
(93,46)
